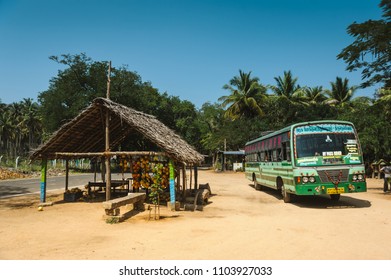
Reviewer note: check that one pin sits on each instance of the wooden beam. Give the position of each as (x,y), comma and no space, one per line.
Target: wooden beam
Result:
(107,154)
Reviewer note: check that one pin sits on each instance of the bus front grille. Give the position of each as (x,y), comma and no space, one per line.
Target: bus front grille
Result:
(334,175)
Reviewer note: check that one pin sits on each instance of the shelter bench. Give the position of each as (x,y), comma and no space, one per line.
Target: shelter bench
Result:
(114,184)
(112,207)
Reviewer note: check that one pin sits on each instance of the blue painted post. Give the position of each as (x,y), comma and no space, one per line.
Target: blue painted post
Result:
(172,184)
(44,165)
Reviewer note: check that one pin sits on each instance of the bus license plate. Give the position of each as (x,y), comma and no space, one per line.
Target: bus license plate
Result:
(335,191)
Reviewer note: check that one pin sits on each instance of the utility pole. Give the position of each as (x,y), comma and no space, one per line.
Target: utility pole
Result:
(107,139)
(225,149)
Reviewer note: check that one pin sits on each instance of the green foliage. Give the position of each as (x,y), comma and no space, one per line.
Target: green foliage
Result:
(238,117)
(156,188)
(287,87)
(371,49)
(20,127)
(245,98)
(340,93)
(83,80)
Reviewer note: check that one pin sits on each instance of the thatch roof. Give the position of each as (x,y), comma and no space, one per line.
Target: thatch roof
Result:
(86,133)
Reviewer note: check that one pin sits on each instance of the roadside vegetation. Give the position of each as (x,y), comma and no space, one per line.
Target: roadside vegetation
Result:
(248,108)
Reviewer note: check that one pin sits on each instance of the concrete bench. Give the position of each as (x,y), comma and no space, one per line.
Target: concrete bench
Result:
(112,207)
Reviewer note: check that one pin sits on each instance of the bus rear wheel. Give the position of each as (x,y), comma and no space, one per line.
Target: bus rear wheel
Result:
(255,184)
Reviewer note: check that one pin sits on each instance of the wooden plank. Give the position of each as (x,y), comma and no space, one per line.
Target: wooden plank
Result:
(109,153)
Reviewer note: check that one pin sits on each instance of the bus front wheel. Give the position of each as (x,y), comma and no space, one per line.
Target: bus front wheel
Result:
(287,197)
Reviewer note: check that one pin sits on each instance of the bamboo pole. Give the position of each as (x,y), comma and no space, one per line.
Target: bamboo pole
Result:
(109,153)
(195,177)
(184,180)
(178,178)
(107,140)
(191,178)
(66,174)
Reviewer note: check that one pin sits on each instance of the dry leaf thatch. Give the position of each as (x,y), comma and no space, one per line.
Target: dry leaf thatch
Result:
(86,133)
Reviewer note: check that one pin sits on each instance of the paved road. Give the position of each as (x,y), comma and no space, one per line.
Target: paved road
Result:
(17,187)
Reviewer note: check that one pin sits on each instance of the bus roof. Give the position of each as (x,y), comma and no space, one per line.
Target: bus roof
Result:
(290,127)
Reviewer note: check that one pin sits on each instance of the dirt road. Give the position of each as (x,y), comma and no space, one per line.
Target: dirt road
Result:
(238,223)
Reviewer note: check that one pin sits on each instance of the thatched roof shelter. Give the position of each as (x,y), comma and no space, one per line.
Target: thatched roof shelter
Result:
(84,136)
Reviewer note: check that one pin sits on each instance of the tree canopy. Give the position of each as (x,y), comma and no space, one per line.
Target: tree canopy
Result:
(371,50)
(243,114)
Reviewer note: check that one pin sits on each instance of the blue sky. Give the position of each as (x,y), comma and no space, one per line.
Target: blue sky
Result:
(188,48)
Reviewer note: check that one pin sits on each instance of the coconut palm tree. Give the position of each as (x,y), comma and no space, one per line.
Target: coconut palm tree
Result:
(7,132)
(314,95)
(384,101)
(31,121)
(287,87)
(15,110)
(341,93)
(245,98)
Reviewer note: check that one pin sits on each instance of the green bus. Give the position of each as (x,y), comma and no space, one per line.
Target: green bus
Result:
(309,158)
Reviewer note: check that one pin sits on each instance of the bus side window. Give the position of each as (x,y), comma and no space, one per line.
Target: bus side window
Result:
(280,155)
(275,155)
(269,155)
(288,151)
(284,155)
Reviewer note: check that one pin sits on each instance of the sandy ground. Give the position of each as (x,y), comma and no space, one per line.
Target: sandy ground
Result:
(238,223)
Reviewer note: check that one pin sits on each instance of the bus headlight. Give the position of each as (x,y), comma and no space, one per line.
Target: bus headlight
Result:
(360,177)
(354,177)
(312,179)
(305,179)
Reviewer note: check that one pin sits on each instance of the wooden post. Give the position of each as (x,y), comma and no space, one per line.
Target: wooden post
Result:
(225,149)
(195,177)
(44,166)
(107,140)
(66,174)
(172,184)
(178,178)
(191,178)
(184,180)
(103,168)
(95,166)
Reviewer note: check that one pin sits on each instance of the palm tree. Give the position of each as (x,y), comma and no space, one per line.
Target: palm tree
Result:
(384,100)
(31,121)
(7,132)
(245,98)
(384,94)
(287,88)
(340,93)
(16,114)
(314,95)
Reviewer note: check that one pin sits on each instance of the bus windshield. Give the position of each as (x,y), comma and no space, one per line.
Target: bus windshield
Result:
(326,144)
